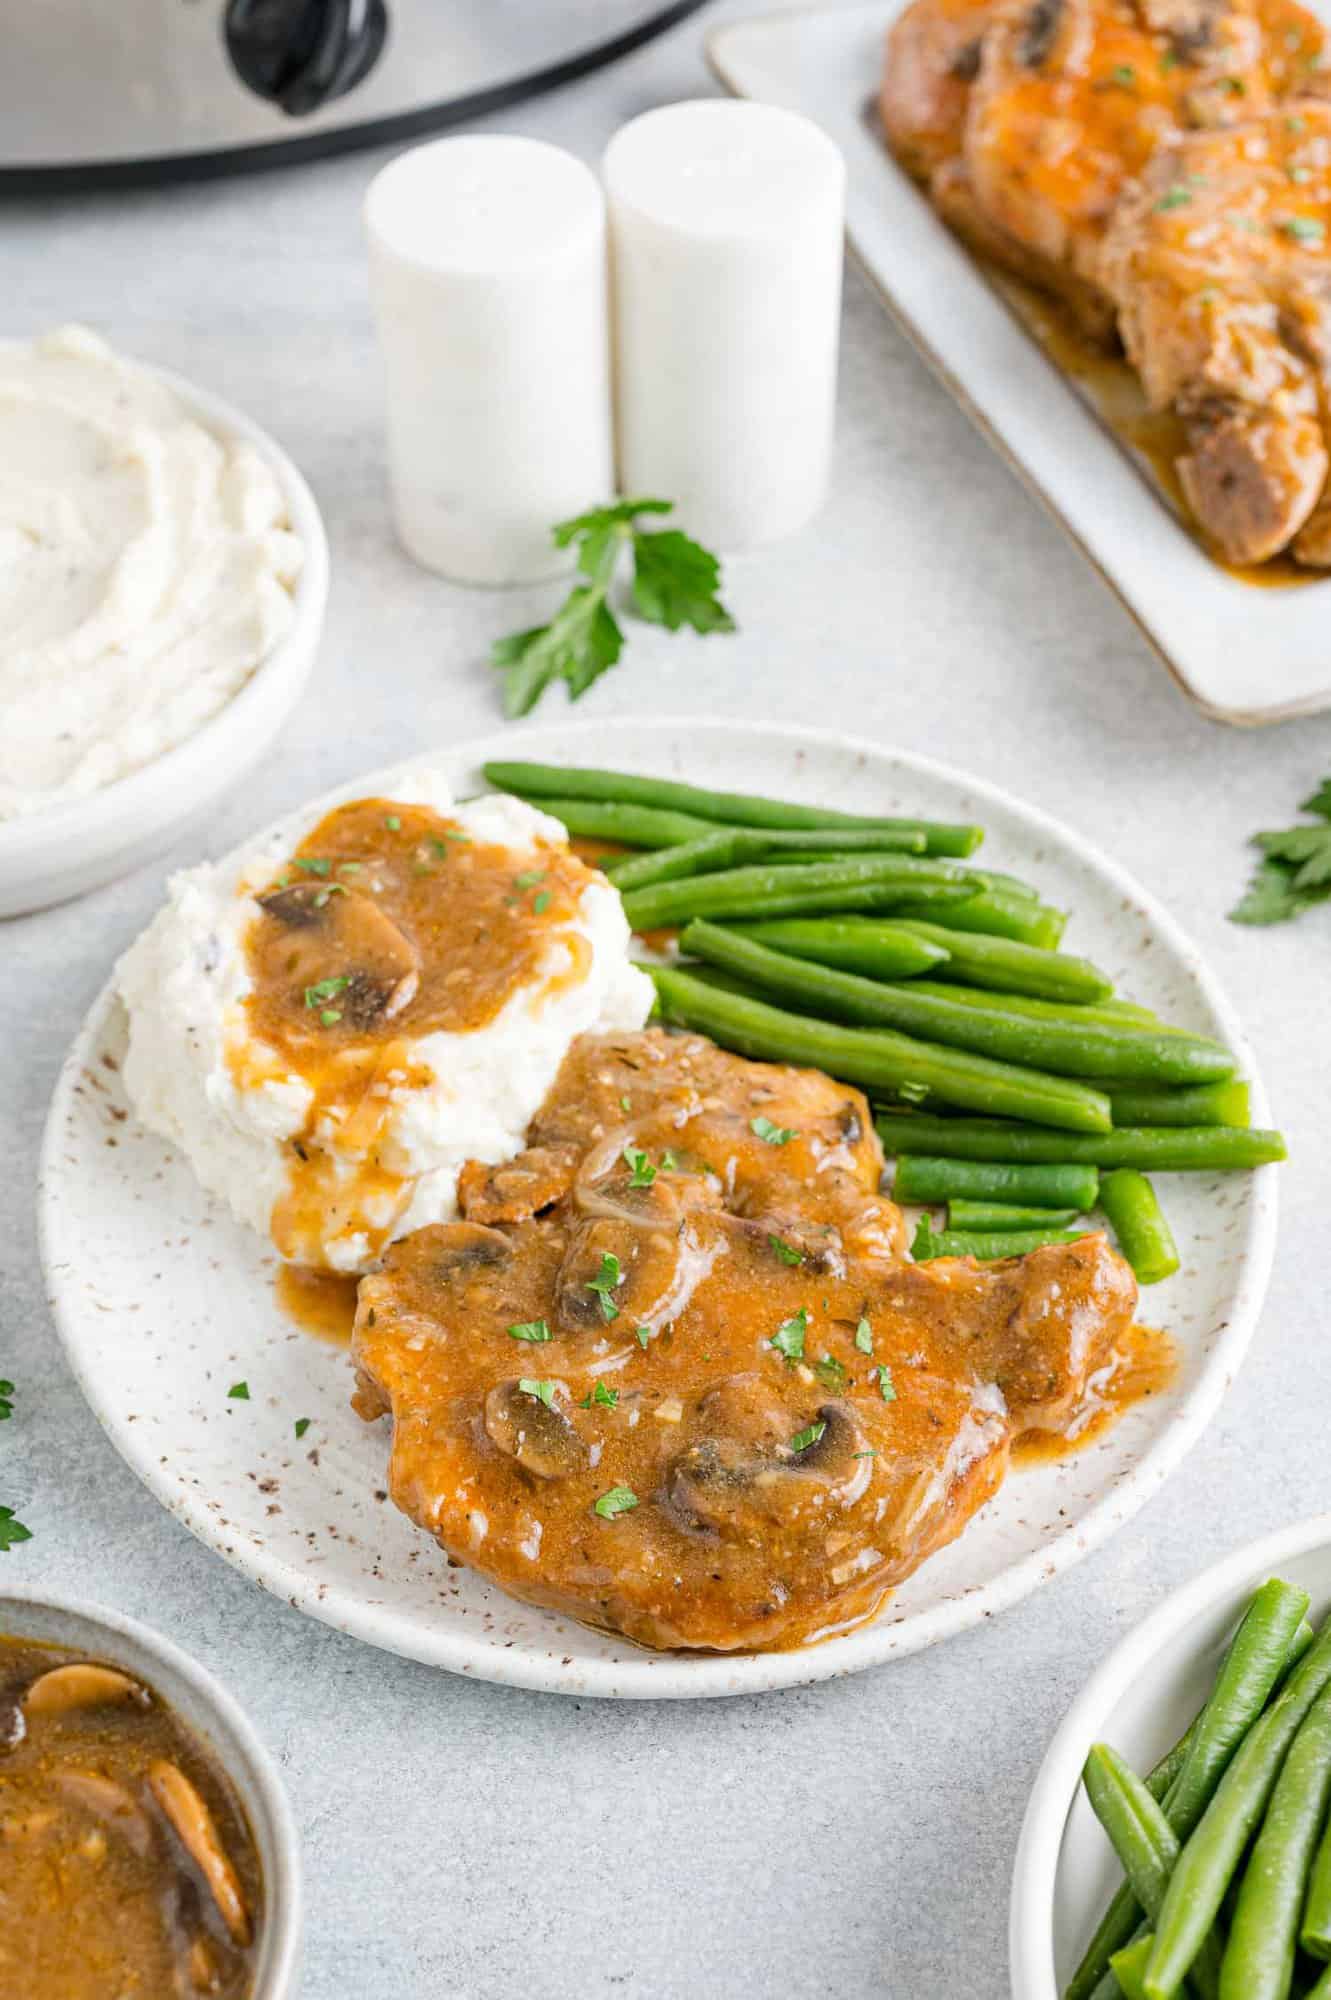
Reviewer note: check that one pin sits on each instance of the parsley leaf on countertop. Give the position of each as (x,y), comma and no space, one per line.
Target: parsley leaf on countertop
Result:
(675,583)
(6,1406)
(11,1531)
(1295,870)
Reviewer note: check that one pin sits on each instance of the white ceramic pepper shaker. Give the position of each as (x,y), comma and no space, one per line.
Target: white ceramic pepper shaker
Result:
(726,250)
(488,275)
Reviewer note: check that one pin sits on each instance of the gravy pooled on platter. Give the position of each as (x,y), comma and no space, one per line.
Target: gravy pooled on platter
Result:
(673,1376)
(127,1866)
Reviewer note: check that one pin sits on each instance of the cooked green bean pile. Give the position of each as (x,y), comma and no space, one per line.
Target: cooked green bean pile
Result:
(872,948)
(1225,1846)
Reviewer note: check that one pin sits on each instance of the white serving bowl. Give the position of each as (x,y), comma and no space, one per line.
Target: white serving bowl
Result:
(1141,1700)
(210,1712)
(48,856)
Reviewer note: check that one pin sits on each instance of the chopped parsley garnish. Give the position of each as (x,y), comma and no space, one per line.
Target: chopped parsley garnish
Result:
(540,904)
(1234,85)
(643,1172)
(803,1439)
(12,1530)
(350,867)
(619,1500)
(313,866)
(789,1336)
(886,1386)
(1295,124)
(239,1392)
(864,1337)
(830,1372)
(529,878)
(644,1335)
(606,1399)
(604,1283)
(1304,228)
(6,1407)
(669,1164)
(773,1135)
(785,1251)
(301,1425)
(1176,197)
(912,1093)
(330,1017)
(865,1454)
(326,989)
(1169,60)
(1124,75)
(544,1392)
(393,823)
(333,889)
(624,1104)
(530,1329)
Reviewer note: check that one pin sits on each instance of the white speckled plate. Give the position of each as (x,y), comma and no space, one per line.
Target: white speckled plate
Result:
(1244,655)
(163,1302)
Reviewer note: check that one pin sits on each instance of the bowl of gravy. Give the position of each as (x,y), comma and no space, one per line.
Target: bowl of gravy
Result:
(146,1843)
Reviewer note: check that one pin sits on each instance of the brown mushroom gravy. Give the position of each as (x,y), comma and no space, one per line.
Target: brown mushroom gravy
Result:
(389,923)
(128,1870)
(672,1374)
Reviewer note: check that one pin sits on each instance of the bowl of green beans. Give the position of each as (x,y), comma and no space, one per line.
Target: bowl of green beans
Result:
(1178,1839)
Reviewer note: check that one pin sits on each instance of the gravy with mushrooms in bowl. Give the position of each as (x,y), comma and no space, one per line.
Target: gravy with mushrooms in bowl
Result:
(127,1865)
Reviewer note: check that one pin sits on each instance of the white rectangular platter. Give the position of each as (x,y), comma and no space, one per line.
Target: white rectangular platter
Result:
(1244,654)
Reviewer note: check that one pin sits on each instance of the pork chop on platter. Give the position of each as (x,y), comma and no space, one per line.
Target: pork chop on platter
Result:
(673,1377)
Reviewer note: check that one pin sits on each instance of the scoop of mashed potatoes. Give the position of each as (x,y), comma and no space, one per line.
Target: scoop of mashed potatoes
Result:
(331,1024)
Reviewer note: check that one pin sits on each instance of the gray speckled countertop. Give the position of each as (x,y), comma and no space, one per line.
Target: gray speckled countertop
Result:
(855,1838)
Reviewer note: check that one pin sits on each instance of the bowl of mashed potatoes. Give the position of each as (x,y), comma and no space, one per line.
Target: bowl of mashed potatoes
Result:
(163,578)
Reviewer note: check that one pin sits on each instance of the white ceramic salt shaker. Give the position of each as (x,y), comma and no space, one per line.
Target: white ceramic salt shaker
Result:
(726,251)
(488,275)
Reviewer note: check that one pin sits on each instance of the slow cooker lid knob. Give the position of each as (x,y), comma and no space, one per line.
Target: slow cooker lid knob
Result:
(301,54)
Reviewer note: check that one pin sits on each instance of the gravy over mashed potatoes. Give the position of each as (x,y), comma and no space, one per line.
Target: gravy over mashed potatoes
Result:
(330,1026)
(145,569)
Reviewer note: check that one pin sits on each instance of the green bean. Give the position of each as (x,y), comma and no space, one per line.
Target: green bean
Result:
(1208,1861)
(813,885)
(996,916)
(1316,1933)
(986,1246)
(710,851)
(1165,1149)
(731,845)
(1322,1990)
(1242,1688)
(854,944)
(935,1015)
(1180,1104)
(1111,1013)
(1129,1966)
(1128,1202)
(964,1214)
(538,781)
(625,826)
(1263,1937)
(874,1057)
(919,1178)
(1139,1833)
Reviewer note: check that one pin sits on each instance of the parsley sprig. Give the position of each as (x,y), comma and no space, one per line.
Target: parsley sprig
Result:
(1295,869)
(675,583)
(6,1406)
(12,1531)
